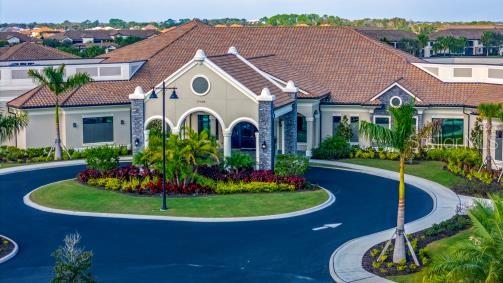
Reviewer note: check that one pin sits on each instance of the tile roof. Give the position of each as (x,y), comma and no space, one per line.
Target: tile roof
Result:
(250,78)
(339,61)
(32,51)
(388,34)
(468,33)
(6,35)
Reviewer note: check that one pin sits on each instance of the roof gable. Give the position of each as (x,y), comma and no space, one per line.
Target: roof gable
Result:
(395,84)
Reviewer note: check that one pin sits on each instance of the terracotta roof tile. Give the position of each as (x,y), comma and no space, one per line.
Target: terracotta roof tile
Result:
(33,51)
(341,61)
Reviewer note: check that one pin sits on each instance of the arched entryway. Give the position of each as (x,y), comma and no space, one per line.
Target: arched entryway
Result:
(200,121)
(243,136)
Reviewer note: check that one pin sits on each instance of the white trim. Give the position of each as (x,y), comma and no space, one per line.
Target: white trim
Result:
(239,120)
(390,87)
(12,253)
(158,117)
(283,110)
(27,201)
(212,66)
(192,85)
(395,97)
(383,116)
(200,109)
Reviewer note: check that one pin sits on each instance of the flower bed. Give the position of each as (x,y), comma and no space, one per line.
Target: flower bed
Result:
(6,247)
(131,179)
(419,241)
(12,154)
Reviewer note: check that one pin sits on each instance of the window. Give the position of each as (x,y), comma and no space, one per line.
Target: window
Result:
(98,129)
(382,121)
(395,102)
(498,147)
(414,124)
(203,123)
(354,122)
(336,121)
(301,128)
(450,133)
(200,85)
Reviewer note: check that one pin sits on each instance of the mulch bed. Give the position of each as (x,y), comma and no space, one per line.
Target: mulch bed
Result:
(423,238)
(6,247)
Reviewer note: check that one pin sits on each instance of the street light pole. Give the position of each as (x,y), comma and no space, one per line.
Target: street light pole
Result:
(153,95)
(164,205)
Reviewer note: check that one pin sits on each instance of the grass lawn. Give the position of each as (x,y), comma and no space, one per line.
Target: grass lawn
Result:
(8,165)
(436,250)
(72,195)
(431,170)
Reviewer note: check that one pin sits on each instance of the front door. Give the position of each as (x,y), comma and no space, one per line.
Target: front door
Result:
(243,136)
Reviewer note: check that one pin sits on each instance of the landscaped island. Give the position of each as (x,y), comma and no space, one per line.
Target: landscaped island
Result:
(71,195)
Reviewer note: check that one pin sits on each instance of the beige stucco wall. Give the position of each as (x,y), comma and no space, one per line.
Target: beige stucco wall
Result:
(41,132)
(328,111)
(73,137)
(223,99)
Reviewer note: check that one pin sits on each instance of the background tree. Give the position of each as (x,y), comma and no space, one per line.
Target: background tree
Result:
(72,262)
(403,138)
(9,125)
(488,111)
(344,129)
(54,80)
(477,135)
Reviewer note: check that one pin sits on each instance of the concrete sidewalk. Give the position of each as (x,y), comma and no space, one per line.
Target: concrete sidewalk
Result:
(346,262)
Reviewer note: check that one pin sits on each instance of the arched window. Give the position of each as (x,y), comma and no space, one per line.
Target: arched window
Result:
(301,128)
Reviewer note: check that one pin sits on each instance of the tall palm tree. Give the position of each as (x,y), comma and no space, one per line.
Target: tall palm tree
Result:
(478,259)
(54,80)
(489,111)
(9,125)
(403,138)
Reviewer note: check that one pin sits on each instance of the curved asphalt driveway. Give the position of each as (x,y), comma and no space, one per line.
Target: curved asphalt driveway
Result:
(285,250)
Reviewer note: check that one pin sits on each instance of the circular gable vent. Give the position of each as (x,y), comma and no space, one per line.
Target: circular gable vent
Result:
(200,85)
(395,102)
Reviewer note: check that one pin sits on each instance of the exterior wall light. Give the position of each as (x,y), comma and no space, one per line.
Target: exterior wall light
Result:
(123,122)
(264,145)
(75,125)
(137,142)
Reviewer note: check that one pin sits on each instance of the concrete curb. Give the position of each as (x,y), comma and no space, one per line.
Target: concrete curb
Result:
(13,253)
(52,164)
(30,203)
(346,261)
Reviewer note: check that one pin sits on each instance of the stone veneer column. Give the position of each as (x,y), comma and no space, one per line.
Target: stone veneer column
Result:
(291,130)
(137,119)
(310,135)
(266,130)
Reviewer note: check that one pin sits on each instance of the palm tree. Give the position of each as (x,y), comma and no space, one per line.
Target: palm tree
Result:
(9,125)
(54,80)
(489,111)
(403,138)
(477,259)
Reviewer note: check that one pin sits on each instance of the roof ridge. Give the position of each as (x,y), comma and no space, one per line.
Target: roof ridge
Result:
(69,96)
(173,41)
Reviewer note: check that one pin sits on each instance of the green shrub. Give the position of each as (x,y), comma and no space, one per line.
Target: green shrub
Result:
(252,187)
(238,161)
(102,158)
(334,147)
(291,165)
(113,184)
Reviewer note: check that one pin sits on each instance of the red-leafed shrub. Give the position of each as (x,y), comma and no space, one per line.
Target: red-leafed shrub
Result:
(87,174)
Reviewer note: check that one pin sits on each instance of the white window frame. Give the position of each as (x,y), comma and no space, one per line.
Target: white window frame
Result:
(192,85)
(450,117)
(383,116)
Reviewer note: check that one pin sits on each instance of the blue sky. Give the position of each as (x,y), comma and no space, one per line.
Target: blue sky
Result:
(157,10)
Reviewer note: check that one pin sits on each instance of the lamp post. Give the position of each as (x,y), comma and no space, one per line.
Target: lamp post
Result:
(173,95)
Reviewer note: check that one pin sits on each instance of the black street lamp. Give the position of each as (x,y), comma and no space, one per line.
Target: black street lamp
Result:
(173,95)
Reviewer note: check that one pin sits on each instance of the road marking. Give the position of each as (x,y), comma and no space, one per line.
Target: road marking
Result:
(326,226)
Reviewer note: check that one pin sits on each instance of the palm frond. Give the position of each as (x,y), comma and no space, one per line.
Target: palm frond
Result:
(10,124)
(380,135)
(77,80)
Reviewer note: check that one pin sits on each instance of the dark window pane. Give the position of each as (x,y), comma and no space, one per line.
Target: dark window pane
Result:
(203,123)
(382,121)
(336,121)
(301,129)
(98,129)
(450,133)
(498,150)
(200,85)
(355,123)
